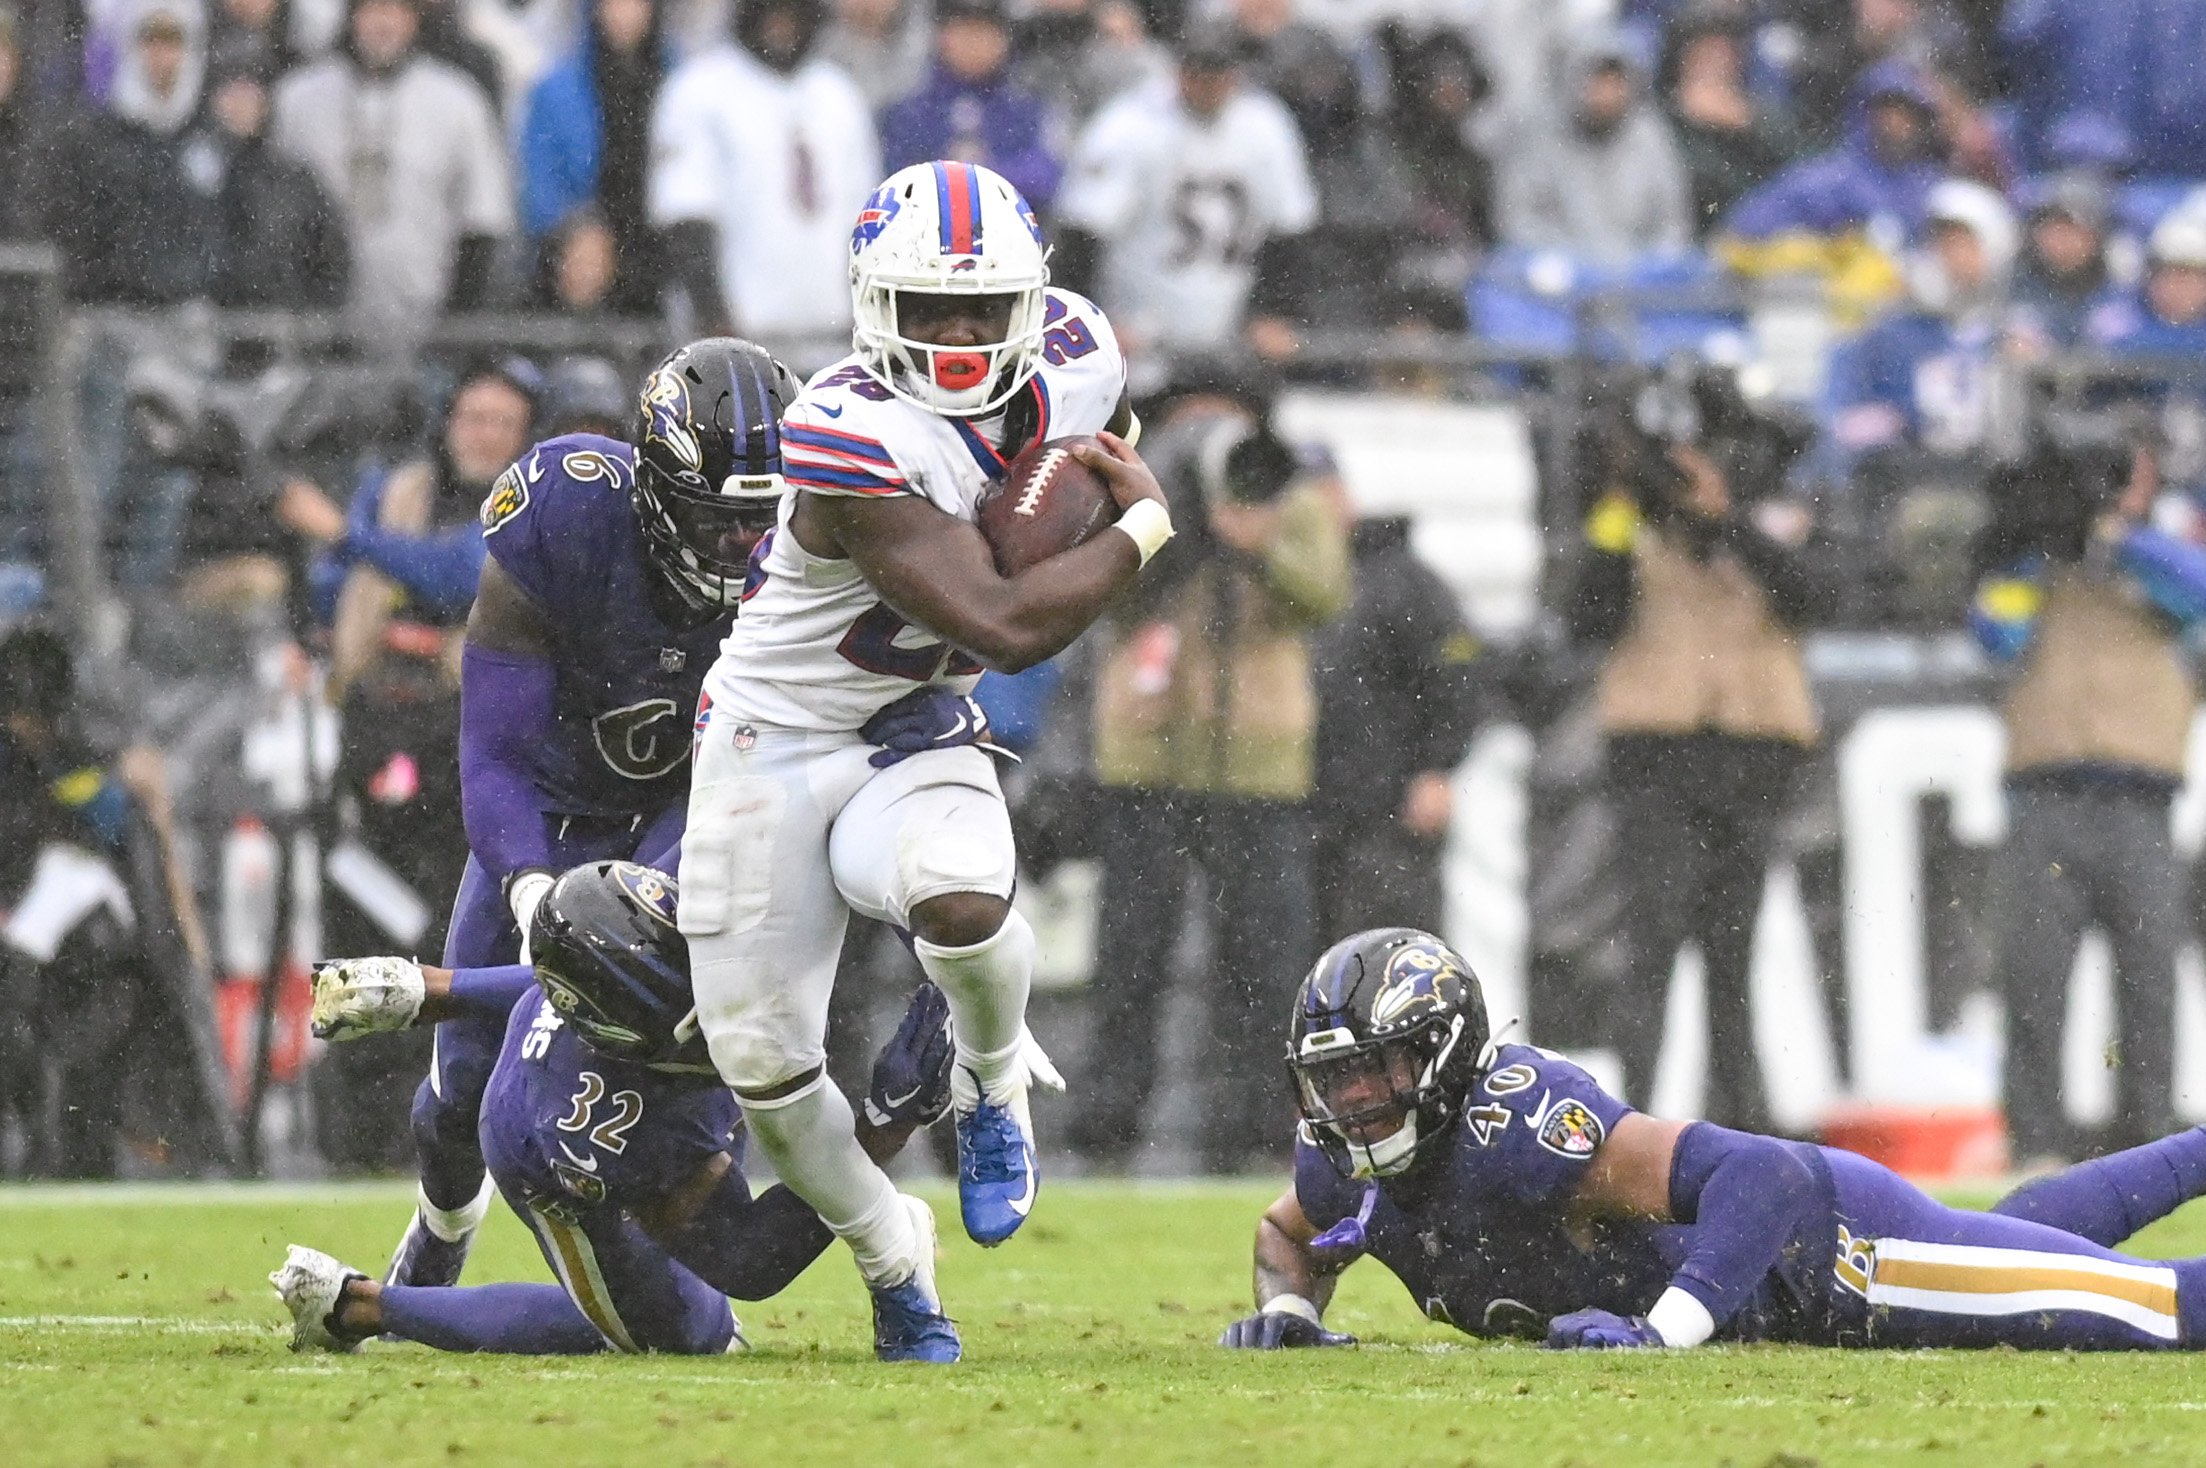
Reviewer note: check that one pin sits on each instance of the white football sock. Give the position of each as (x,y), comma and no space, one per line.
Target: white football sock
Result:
(987,986)
(454,1224)
(811,1138)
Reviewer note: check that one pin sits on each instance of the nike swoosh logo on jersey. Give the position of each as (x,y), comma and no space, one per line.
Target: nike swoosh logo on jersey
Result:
(587,1164)
(835,412)
(536,467)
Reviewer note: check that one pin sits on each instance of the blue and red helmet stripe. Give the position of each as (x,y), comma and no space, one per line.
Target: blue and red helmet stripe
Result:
(957,195)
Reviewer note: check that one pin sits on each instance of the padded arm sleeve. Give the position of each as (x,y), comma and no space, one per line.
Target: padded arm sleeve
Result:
(1743,1195)
(505,712)
(491,993)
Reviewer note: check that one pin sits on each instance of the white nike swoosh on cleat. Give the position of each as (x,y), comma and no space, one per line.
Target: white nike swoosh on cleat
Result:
(1025,1201)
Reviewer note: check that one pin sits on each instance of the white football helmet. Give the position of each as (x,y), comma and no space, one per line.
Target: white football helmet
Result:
(948,228)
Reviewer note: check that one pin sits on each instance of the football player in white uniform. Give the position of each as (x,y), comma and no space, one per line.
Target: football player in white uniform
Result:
(875,584)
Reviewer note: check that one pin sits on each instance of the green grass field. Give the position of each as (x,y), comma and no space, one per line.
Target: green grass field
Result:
(136,1327)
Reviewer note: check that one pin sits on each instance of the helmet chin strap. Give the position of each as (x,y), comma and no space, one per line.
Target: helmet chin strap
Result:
(1389,1155)
(1492,1048)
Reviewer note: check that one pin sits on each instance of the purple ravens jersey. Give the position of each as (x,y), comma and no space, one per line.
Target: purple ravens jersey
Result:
(1481,1236)
(1477,1234)
(560,525)
(565,1126)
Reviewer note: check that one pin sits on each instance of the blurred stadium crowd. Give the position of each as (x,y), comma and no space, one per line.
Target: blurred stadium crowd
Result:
(1876,316)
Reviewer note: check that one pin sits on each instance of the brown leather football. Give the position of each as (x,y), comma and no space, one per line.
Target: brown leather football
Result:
(1048,503)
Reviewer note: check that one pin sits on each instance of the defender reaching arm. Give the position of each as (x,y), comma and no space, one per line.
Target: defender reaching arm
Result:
(1294,1284)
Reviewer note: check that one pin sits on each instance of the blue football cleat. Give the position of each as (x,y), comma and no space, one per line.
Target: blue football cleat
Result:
(908,1323)
(997,1174)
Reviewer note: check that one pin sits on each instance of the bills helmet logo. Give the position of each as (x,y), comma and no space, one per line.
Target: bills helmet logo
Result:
(1033,225)
(874,218)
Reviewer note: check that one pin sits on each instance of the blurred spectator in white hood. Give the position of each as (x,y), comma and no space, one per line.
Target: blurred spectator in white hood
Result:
(1966,263)
(158,78)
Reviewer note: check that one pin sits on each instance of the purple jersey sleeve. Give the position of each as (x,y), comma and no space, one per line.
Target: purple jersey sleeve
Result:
(1539,1120)
(1326,1197)
(549,519)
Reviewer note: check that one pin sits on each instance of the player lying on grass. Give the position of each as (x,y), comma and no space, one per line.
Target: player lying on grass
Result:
(610,1134)
(1513,1196)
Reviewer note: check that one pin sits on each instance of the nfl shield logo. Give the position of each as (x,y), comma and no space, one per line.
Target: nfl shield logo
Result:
(672,660)
(745,738)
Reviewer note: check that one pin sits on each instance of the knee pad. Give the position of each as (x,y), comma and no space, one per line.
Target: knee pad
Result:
(753,1058)
(937,857)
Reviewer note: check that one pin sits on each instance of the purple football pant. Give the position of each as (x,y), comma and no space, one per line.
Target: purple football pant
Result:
(1911,1272)
(617,1291)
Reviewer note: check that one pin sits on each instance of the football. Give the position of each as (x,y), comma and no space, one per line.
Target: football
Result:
(1048,503)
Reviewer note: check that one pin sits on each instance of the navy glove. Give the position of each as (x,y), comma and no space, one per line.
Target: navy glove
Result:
(1280,1330)
(924,719)
(911,1076)
(1598,1330)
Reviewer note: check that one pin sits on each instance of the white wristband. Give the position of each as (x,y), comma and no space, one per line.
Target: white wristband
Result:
(1680,1319)
(1148,525)
(1292,1305)
(525,896)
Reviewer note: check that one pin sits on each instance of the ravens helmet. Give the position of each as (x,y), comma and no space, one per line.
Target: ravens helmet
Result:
(1388,1039)
(708,463)
(615,967)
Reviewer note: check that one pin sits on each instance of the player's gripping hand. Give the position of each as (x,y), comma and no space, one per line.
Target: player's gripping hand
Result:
(1275,1328)
(924,719)
(1124,472)
(365,996)
(911,1076)
(1143,513)
(1598,1330)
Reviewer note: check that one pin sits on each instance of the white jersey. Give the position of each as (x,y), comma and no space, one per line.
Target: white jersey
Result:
(1181,206)
(815,647)
(778,165)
